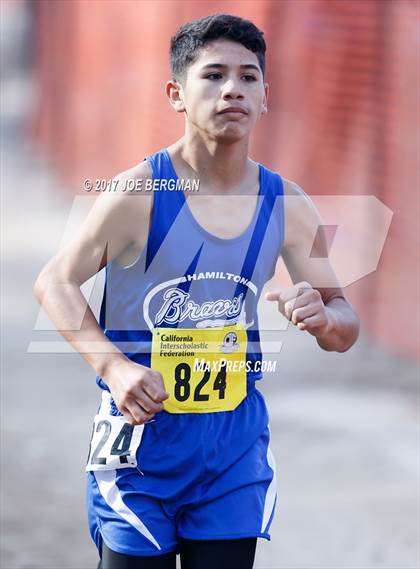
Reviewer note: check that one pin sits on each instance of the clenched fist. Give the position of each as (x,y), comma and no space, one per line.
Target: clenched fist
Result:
(138,391)
(303,306)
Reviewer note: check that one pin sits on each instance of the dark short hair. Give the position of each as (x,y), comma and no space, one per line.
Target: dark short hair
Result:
(192,36)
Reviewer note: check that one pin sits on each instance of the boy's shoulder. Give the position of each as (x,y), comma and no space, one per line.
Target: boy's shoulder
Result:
(302,218)
(117,212)
(140,171)
(290,187)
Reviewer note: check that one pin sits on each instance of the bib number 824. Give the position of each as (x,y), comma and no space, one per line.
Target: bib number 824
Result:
(182,390)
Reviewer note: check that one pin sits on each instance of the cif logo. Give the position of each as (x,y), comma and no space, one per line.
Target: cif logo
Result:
(230,343)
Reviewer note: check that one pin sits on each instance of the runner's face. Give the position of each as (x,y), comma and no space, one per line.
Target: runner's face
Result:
(225,75)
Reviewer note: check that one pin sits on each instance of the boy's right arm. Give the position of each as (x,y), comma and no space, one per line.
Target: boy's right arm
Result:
(117,222)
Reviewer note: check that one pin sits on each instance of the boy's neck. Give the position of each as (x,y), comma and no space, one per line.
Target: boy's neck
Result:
(222,167)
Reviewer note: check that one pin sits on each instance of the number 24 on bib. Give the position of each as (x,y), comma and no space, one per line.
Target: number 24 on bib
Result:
(113,444)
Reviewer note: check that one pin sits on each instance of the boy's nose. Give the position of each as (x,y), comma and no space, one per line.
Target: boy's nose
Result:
(232,90)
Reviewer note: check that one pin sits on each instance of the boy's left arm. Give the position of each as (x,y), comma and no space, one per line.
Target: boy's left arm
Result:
(316,303)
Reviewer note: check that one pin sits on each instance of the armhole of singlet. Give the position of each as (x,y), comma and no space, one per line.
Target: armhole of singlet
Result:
(153,216)
(275,189)
(280,194)
(154,211)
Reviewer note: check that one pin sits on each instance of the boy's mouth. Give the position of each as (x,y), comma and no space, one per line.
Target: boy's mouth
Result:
(233,110)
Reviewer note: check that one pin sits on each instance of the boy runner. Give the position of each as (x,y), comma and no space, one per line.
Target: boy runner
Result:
(179,459)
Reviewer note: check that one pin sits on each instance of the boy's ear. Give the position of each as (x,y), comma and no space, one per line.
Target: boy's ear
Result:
(175,95)
(265,101)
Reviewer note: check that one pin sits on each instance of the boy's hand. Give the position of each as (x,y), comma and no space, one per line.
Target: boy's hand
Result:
(138,391)
(303,306)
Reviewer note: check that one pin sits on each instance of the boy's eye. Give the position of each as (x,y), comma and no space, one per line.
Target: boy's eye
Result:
(213,76)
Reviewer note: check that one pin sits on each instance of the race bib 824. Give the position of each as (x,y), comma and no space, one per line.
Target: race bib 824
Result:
(203,370)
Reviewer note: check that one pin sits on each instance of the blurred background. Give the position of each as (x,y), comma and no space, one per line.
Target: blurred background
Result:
(82,86)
